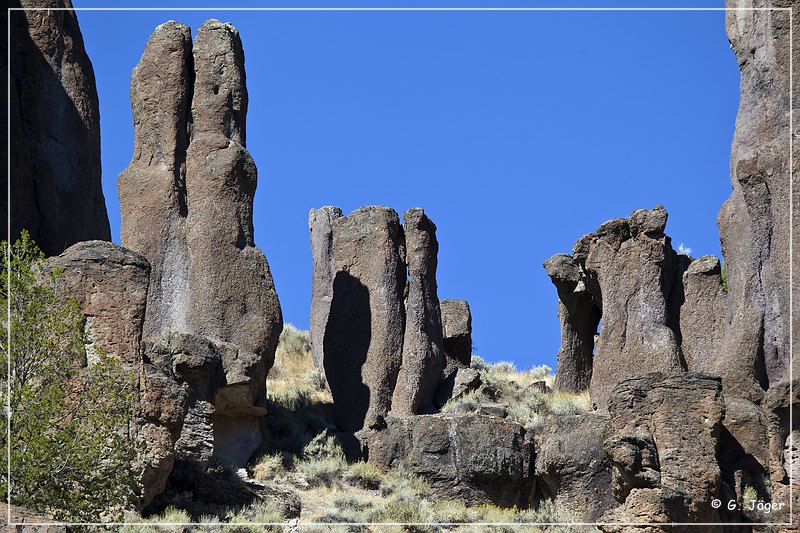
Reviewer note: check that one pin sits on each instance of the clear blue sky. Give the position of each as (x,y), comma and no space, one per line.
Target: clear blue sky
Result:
(517,132)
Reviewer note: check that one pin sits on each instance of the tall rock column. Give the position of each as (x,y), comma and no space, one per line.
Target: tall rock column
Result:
(152,189)
(579,317)
(187,206)
(232,297)
(363,339)
(633,264)
(423,352)
(755,221)
(320,227)
(56,192)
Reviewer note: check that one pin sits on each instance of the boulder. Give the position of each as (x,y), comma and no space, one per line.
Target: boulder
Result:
(457,333)
(630,266)
(571,467)
(110,284)
(363,338)
(187,206)
(743,455)
(423,353)
(457,383)
(665,436)
(320,227)
(579,316)
(755,222)
(56,192)
(496,468)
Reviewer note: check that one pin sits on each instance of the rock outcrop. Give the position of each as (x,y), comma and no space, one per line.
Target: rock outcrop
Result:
(443,450)
(457,334)
(56,192)
(187,206)
(572,469)
(665,436)
(755,222)
(579,317)
(423,351)
(320,227)
(110,284)
(633,264)
(363,339)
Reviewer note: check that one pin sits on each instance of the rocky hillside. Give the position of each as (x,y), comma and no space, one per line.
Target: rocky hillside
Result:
(670,408)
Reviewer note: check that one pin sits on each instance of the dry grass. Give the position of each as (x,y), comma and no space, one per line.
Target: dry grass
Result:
(526,404)
(294,379)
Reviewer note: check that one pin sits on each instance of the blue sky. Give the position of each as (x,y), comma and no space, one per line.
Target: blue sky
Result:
(517,132)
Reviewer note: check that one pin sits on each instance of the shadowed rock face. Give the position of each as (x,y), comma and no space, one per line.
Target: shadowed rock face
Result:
(665,435)
(320,227)
(423,354)
(363,338)
(579,317)
(110,284)
(633,264)
(754,222)
(496,468)
(187,205)
(56,192)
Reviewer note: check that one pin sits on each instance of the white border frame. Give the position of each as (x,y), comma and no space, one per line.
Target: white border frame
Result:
(289,524)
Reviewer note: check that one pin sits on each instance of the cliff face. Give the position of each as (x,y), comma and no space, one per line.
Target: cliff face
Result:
(56,192)
(755,222)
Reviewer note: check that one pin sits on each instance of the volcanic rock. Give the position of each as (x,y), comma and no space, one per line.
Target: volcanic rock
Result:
(320,227)
(496,468)
(56,193)
(110,284)
(579,317)
(572,468)
(665,436)
(187,205)
(755,220)
(423,353)
(363,338)
(457,334)
(633,264)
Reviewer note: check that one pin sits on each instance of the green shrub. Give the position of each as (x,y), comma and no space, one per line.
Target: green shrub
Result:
(325,471)
(71,446)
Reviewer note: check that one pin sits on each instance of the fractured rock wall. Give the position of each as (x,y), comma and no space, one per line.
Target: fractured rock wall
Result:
(55,172)
(187,206)
(754,222)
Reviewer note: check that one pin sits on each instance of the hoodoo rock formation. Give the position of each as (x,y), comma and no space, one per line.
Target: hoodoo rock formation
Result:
(579,317)
(320,227)
(376,320)
(187,206)
(423,352)
(363,339)
(56,192)
(627,268)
